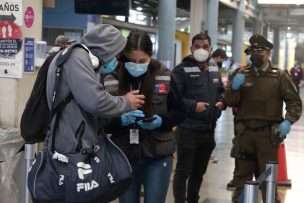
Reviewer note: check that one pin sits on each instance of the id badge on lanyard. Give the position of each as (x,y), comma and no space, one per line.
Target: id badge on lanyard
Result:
(134,132)
(134,136)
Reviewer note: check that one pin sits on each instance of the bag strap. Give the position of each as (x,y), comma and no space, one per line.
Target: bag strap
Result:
(65,54)
(57,110)
(62,58)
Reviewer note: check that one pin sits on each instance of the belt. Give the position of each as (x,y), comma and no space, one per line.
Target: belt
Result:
(262,128)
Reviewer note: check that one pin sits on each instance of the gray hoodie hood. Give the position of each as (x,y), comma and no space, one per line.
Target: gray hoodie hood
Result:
(104,41)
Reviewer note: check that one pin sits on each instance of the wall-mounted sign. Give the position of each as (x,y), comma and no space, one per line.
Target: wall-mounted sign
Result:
(11,38)
(29,17)
(29,55)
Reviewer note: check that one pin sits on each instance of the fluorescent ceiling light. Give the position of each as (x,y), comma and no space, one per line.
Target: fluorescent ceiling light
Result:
(281,2)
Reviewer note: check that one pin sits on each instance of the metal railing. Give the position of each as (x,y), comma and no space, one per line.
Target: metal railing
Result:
(29,156)
(269,176)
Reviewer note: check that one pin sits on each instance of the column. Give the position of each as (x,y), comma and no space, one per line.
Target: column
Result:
(238,33)
(198,17)
(286,52)
(257,27)
(276,46)
(265,31)
(166,32)
(15,92)
(212,21)
(258,24)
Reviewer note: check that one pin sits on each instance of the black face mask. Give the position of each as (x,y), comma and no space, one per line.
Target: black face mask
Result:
(219,64)
(257,60)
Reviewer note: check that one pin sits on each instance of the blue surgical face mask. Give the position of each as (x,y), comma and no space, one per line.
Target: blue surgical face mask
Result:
(136,69)
(109,66)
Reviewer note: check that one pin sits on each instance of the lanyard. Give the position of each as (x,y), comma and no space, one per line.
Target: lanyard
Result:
(139,85)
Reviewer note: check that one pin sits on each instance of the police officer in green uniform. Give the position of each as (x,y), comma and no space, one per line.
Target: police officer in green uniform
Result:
(259,92)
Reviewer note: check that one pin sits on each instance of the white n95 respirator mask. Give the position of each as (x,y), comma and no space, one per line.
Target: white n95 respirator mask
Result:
(201,55)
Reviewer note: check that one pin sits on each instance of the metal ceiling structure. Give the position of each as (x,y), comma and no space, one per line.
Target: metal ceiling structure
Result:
(284,16)
(273,15)
(151,7)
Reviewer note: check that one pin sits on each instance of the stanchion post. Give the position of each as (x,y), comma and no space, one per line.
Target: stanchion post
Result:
(251,189)
(29,156)
(271,181)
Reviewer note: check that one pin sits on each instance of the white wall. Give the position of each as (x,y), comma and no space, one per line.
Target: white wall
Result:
(15,92)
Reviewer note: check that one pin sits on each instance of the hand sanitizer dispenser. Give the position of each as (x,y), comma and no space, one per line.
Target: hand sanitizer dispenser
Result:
(40,53)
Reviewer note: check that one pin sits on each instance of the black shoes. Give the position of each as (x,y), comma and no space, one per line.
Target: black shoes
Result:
(231,185)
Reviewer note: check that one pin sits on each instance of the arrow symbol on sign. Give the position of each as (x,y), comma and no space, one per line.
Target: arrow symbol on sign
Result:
(7,17)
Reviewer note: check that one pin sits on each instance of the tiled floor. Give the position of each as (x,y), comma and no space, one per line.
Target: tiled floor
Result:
(214,190)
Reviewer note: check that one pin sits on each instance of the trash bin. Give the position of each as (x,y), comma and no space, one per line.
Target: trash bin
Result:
(12,166)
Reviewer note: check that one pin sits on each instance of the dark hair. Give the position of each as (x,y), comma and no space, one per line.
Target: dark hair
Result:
(219,52)
(201,36)
(138,40)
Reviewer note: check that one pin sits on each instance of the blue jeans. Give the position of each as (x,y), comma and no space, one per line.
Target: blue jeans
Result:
(154,174)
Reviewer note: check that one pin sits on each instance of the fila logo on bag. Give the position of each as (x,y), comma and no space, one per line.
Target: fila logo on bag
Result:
(61,179)
(111,179)
(84,169)
(87,186)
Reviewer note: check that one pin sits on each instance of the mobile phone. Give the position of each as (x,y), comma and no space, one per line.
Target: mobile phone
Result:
(146,120)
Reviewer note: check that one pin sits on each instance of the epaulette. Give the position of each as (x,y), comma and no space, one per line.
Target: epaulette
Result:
(245,69)
(274,71)
(242,68)
(286,71)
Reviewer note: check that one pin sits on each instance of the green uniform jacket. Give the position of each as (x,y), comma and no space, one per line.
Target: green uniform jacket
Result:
(260,98)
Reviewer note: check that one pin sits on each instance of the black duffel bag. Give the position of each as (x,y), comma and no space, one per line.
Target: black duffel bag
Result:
(101,173)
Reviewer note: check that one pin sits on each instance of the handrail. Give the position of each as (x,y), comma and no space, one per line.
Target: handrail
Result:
(270,177)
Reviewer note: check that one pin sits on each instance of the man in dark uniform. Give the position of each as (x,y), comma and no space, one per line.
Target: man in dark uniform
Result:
(259,92)
(200,83)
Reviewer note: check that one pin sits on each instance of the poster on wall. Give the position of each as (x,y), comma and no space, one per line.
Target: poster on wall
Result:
(29,48)
(11,38)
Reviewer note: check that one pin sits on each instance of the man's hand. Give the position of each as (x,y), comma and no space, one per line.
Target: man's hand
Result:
(201,106)
(220,105)
(136,100)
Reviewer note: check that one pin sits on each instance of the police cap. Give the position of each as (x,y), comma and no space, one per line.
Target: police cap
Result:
(258,42)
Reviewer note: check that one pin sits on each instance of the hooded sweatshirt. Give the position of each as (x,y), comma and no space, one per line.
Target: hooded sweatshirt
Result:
(91,104)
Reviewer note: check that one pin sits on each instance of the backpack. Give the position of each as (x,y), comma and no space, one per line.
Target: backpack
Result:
(36,115)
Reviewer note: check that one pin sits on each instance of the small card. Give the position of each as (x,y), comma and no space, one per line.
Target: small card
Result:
(134,136)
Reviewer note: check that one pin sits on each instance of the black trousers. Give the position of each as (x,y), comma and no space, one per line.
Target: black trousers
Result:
(194,149)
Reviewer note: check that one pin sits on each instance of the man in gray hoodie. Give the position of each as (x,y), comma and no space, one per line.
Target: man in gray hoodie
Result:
(91,104)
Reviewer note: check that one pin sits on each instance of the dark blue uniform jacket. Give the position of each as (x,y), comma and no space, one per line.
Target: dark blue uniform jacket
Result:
(199,85)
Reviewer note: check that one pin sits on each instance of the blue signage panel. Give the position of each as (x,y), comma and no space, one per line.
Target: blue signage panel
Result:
(29,47)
